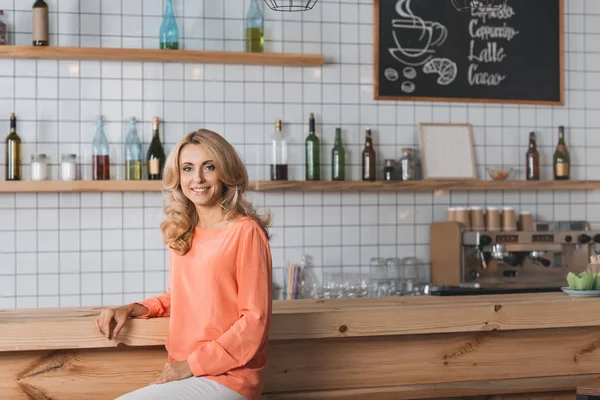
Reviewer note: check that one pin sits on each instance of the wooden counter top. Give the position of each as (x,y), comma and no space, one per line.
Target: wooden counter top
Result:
(73,328)
(533,346)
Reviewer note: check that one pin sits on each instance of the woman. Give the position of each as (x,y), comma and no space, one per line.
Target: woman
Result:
(219,295)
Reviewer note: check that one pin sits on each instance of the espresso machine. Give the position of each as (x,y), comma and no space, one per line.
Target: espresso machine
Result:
(481,262)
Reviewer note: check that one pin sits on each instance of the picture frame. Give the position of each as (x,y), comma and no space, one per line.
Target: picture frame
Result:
(447,151)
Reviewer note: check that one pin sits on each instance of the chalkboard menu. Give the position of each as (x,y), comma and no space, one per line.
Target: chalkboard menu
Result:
(508,51)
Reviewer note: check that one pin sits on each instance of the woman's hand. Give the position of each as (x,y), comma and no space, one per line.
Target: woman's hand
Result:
(174,371)
(111,320)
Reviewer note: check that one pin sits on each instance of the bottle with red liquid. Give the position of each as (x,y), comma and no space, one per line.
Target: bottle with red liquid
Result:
(279,166)
(100,152)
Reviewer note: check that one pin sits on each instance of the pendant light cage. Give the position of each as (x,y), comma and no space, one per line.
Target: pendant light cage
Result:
(291,5)
(484,6)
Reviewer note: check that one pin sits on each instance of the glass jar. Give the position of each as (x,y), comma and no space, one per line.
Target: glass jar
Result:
(379,284)
(388,170)
(39,167)
(410,275)
(3,30)
(408,165)
(377,268)
(68,167)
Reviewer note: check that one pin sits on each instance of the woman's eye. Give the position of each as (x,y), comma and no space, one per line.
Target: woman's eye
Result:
(187,169)
(210,167)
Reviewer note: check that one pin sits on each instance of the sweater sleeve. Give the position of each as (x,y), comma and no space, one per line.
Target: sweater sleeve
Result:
(159,306)
(241,342)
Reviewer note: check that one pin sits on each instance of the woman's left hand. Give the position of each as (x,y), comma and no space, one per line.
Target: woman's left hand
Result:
(174,371)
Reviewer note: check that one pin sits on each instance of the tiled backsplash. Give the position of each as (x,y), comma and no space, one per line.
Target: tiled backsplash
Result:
(91,249)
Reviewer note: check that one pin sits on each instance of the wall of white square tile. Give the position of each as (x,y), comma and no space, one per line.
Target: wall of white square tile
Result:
(93,249)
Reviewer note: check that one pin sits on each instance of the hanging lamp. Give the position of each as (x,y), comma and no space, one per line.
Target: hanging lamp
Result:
(291,5)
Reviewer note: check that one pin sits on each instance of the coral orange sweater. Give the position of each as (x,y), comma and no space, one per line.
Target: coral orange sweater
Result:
(219,301)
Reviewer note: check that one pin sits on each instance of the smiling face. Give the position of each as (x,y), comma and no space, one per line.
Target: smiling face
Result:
(199,178)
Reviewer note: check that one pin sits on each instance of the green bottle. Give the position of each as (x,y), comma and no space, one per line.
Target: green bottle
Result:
(156,154)
(338,158)
(313,152)
(13,152)
(562,159)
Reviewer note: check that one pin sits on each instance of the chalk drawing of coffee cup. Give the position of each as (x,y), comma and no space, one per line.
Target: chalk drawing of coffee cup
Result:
(416,40)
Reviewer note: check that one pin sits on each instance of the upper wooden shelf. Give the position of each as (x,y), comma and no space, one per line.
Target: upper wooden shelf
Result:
(154,55)
(305,186)
(79,186)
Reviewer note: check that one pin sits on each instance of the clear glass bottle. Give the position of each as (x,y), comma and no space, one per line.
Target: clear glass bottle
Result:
(338,158)
(388,170)
(169,31)
(313,152)
(3,30)
(68,167)
(13,152)
(408,165)
(255,40)
(100,152)
(133,153)
(39,167)
(279,165)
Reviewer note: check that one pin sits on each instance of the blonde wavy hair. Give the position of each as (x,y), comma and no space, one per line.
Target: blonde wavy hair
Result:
(180,213)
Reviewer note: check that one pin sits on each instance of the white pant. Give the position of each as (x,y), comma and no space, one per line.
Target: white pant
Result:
(194,388)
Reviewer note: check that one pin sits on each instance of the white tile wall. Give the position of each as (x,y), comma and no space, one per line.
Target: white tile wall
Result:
(91,248)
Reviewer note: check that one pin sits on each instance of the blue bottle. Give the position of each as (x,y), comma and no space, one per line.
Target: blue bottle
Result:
(169,32)
(255,39)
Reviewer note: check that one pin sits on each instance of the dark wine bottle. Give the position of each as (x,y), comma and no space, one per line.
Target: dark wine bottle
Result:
(368,158)
(312,148)
(39,24)
(13,152)
(156,154)
(532,160)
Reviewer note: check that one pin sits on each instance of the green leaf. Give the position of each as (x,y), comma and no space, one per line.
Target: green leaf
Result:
(597,282)
(583,281)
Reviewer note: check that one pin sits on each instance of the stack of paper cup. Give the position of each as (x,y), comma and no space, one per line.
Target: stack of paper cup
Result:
(451,214)
(462,216)
(477,219)
(509,219)
(526,221)
(492,219)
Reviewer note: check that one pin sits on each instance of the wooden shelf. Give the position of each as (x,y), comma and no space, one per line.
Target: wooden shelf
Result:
(79,186)
(153,55)
(304,186)
(422,186)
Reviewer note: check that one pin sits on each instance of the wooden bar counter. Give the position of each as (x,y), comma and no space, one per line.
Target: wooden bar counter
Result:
(526,346)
